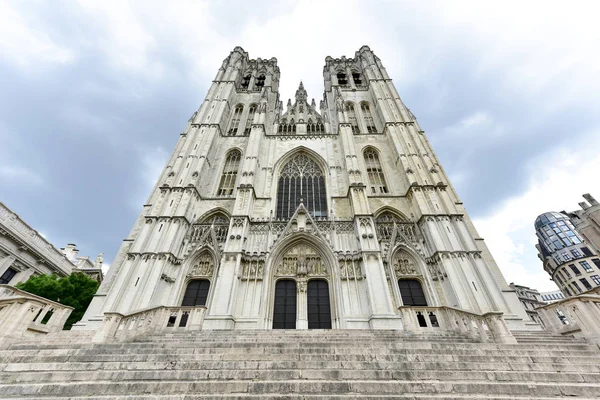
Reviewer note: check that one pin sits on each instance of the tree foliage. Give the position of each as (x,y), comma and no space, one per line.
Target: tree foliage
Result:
(75,290)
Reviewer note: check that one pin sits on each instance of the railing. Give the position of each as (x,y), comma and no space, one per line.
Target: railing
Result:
(25,314)
(122,327)
(475,326)
(578,315)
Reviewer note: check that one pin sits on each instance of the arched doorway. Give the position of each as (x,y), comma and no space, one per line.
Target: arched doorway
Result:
(196,293)
(318,304)
(412,292)
(284,306)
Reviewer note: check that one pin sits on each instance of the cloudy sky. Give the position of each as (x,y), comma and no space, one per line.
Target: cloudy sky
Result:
(93,96)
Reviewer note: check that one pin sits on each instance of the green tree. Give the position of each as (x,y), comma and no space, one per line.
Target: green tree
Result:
(75,290)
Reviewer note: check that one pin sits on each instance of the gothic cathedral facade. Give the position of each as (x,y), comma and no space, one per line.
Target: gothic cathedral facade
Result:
(301,217)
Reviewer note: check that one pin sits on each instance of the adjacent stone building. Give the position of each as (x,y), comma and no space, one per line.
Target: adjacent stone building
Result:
(587,221)
(24,252)
(530,299)
(330,214)
(571,263)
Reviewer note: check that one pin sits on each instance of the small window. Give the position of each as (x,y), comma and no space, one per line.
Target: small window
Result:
(366,110)
(596,262)
(586,251)
(585,283)
(356,79)
(7,276)
(229,175)
(352,118)
(586,266)
(260,82)
(596,279)
(250,120)
(567,290)
(246,82)
(575,269)
(342,79)
(235,120)
(576,286)
(576,253)
(567,273)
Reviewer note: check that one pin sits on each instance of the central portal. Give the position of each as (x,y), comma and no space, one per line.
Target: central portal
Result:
(302,294)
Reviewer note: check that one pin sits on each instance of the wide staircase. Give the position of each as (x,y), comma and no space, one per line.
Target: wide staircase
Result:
(293,364)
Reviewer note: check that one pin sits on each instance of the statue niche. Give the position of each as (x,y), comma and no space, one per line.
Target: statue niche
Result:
(301,260)
(404,265)
(203,266)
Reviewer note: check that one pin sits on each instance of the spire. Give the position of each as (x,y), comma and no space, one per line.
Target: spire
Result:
(301,94)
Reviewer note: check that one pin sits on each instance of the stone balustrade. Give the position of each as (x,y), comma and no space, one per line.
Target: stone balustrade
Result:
(25,314)
(124,327)
(473,325)
(578,315)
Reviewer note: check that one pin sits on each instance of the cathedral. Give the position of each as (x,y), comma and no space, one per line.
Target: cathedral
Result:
(304,216)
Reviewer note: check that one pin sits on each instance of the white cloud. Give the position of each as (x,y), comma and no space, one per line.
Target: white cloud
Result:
(19,174)
(26,46)
(556,182)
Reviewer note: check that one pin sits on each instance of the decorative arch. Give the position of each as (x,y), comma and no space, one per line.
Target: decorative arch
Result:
(287,262)
(201,267)
(301,177)
(216,219)
(385,220)
(405,264)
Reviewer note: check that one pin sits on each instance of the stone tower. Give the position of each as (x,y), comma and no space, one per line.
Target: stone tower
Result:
(298,216)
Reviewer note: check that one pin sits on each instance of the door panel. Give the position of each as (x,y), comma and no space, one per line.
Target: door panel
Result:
(284,308)
(319,309)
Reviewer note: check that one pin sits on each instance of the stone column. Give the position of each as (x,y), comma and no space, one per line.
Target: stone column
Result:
(302,306)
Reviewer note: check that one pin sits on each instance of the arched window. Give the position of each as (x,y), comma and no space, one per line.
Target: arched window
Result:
(196,293)
(356,78)
(301,180)
(235,120)
(352,118)
(246,82)
(366,110)
(374,171)
(260,82)
(250,120)
(412,292)
(342,79)
(229,175)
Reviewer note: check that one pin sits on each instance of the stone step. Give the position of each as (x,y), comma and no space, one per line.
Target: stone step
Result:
(298,374)
(302,387)
(411,396)
(349,357)
(274,365)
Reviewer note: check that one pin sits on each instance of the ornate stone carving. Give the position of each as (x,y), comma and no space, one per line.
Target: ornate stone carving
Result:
(252,270)
(203,266)
(404,265)
(301,261)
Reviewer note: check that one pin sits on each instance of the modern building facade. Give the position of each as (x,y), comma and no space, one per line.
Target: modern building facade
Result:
(552,296)
(304,215)
(25,253)
(571,263)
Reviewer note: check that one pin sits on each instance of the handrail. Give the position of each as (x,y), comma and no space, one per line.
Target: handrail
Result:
(467,323)
(117,326)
